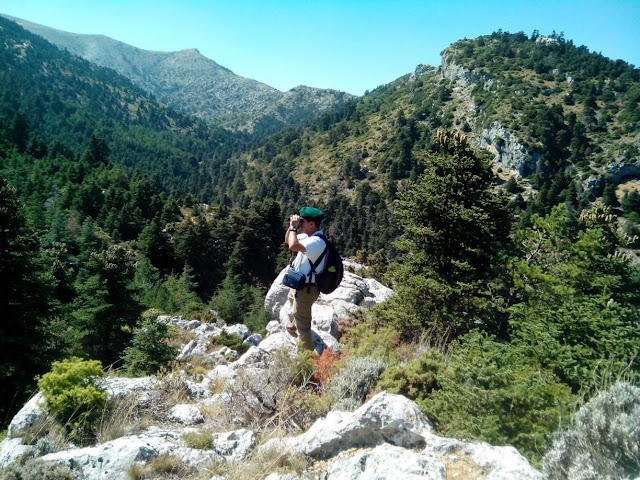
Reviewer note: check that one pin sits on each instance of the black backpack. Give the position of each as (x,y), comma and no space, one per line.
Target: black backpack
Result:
(331,276)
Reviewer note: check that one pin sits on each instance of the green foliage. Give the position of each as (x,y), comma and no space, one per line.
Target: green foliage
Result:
(631,228)
(240,303)
(302,366)
(415,380)
(493,392)
(609,197)
(227,301)
(631,202)
(72,394)
(149,352)
(602,442)
(369,339)
(575,301)
(355,379)
(106,309)
(231,340)
(454,225)
(256,317)
(24,302)
(177,295)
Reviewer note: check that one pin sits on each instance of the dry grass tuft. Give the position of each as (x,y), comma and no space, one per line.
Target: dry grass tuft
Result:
(123,416)
(265,462)
(202,439)
(162,466)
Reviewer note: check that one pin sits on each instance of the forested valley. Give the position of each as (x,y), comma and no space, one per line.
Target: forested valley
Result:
(516,295)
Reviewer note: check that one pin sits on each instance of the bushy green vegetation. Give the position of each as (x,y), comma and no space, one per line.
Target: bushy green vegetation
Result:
(231,340)
(72,394)
(532,333)
(454,225)
(149,352)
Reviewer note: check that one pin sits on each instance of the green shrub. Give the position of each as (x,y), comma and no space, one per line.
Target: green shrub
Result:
(353,382)
(226,302)
(72,394)
(302,366)
(603,442)
(237,303)
(231,340)
(415,380)
(367,340)
(256,317)
(202,440)
(149,352)
(490,391)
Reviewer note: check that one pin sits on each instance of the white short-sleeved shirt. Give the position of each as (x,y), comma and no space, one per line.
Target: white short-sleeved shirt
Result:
(314,246)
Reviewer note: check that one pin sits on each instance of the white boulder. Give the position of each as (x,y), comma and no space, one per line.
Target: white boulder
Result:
(385,462)
(388,437)
(240,330)
(234,446)
(12,449)
(28,416)
(186,414)
(114,460)
(386,418)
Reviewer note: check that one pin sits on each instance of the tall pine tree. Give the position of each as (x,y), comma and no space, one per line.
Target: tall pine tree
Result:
(24,305)
(454,223)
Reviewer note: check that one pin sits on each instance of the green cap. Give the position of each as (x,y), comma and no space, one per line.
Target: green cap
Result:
(311,213)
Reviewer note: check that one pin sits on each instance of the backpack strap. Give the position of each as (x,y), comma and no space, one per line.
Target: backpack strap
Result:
(315,264)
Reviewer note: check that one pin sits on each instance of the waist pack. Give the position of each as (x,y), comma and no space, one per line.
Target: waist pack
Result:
(293,279)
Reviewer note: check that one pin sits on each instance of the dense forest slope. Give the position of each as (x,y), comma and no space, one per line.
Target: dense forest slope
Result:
(59,97)
(558,119)
(194,84)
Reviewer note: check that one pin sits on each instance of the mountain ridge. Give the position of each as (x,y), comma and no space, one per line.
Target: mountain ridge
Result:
(195,84)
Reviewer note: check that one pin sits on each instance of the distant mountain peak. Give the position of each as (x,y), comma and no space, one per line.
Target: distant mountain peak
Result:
(188,51)
(195,84)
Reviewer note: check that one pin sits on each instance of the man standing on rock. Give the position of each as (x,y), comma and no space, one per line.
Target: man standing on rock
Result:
(309,247)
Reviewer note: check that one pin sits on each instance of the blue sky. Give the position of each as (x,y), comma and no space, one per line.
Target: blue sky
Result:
(346,45)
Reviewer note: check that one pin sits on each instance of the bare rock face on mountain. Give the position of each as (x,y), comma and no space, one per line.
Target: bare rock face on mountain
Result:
(195,84)
(507,149)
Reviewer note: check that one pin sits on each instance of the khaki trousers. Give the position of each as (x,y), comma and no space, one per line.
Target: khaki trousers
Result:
(301,303)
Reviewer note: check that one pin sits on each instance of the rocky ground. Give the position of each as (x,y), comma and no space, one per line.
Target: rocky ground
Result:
(209,420)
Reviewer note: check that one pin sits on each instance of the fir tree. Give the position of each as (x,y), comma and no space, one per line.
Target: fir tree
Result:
(106,308)
(24,303)
(454,224)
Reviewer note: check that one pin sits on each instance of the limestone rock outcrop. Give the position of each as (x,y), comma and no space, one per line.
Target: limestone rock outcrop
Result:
(354,293)
(386,438)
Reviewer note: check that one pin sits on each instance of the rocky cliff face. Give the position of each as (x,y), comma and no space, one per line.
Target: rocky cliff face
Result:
(386,438)
(195,84)
(508,151)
